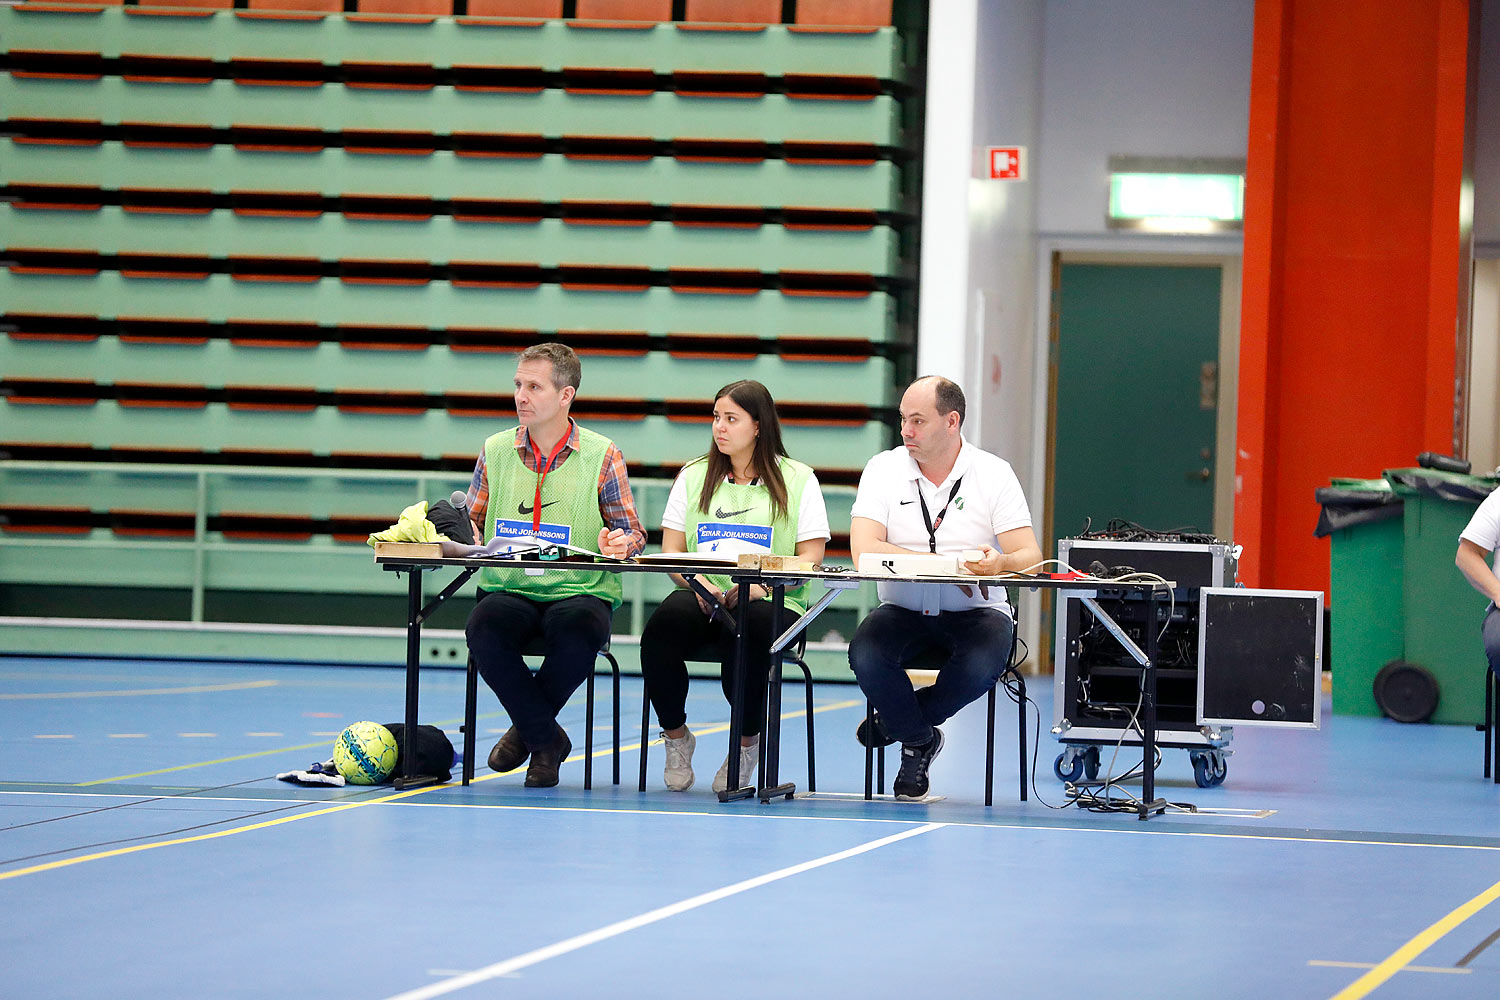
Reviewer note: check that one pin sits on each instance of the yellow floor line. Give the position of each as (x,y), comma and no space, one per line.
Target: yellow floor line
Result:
(201,763)
(396,796)
(1399,958)
(225,760)
(267,824)
(196,689)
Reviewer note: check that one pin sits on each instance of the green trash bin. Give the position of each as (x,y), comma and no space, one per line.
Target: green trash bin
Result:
(1440,612)
(1362,520)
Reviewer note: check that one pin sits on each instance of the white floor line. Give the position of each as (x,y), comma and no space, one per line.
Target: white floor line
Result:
(530,958)
(770,814)
(1405,968)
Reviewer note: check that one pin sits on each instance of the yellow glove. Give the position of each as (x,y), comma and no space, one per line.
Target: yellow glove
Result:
(412,526)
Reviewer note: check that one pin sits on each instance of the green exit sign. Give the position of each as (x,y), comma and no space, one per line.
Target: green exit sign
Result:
(1165,200)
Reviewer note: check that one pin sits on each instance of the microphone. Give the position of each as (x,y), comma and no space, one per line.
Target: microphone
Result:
(459,501)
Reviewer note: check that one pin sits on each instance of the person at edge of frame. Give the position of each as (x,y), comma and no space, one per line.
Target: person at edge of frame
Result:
(1478,546)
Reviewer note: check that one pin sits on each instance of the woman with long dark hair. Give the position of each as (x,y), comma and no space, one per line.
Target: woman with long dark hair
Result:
(745,488)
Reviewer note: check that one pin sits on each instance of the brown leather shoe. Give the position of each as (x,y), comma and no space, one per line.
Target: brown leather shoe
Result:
(510,752)
(545,763)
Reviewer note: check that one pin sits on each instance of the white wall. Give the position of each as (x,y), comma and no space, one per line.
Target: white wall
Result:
(1484,368)
(1487,135)
(978,235)
(1002,230)
(1143,78)
(1074,81)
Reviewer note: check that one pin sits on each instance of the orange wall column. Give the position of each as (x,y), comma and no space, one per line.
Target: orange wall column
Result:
(1351,260)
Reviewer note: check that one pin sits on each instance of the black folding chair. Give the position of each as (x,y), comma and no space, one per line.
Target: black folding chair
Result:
(709,653)
(1491,713)
(932,660)
(471,695)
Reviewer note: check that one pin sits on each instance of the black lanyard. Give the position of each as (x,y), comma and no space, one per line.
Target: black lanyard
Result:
(933,525)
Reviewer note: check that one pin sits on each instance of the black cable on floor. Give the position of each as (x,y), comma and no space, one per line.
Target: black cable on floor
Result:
(167,833)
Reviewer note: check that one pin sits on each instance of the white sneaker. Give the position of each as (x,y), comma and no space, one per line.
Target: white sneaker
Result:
(679,771)
(749,759)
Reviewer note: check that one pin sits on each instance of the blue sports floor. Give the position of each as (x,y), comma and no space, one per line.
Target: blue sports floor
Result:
(146,850)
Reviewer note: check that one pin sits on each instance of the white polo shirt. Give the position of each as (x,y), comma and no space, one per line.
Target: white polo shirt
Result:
(988,503)
(1483,528)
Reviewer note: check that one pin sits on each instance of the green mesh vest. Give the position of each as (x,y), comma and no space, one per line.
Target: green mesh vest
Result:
(744,511)
(570,514)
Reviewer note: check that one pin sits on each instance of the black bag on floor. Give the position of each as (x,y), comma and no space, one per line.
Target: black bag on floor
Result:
(431,748)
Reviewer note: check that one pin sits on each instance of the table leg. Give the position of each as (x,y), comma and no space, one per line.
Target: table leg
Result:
(1149,802)
(770,740)
(732,789)
(413,680)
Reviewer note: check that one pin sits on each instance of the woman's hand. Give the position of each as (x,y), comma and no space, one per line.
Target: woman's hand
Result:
(729,598)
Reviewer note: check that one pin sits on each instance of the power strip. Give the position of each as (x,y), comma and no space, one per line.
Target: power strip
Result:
(907,564)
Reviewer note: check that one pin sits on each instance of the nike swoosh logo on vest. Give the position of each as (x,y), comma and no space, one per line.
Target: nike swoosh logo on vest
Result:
(721,512)
(527,510)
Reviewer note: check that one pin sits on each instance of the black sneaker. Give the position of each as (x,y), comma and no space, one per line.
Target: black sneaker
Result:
(882,738)
(911,780)
(545,763)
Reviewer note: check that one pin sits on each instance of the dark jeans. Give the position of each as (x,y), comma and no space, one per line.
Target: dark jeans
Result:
(969,648)
(679,629)
(572,631)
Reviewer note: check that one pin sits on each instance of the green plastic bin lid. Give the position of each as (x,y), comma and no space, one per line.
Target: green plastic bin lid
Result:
(1372,485)
(1451,485)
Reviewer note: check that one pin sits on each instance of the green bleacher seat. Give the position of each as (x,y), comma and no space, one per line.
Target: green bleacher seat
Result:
(267,265)
(550,242)
(445,174)
(448,42)
(219,298)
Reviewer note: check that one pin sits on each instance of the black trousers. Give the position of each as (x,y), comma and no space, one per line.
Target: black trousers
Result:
(572,630)
(679,629)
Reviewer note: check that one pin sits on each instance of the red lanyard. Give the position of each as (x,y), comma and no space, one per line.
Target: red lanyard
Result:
(541,475)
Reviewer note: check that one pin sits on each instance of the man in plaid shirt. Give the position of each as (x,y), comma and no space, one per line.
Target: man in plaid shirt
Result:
(554,480)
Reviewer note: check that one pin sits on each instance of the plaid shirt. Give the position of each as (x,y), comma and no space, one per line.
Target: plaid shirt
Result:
(616,505)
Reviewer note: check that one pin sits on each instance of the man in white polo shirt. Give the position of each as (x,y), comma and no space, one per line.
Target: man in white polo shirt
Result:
(935,493)
(1480,541)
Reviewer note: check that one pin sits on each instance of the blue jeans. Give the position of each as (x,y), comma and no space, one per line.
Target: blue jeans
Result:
(572,631)
(969,648)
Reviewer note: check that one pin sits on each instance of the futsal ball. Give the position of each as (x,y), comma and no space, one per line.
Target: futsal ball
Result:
(365,753)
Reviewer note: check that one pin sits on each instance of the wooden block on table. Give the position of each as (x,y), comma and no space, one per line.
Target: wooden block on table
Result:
(414,550)
(756,560)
